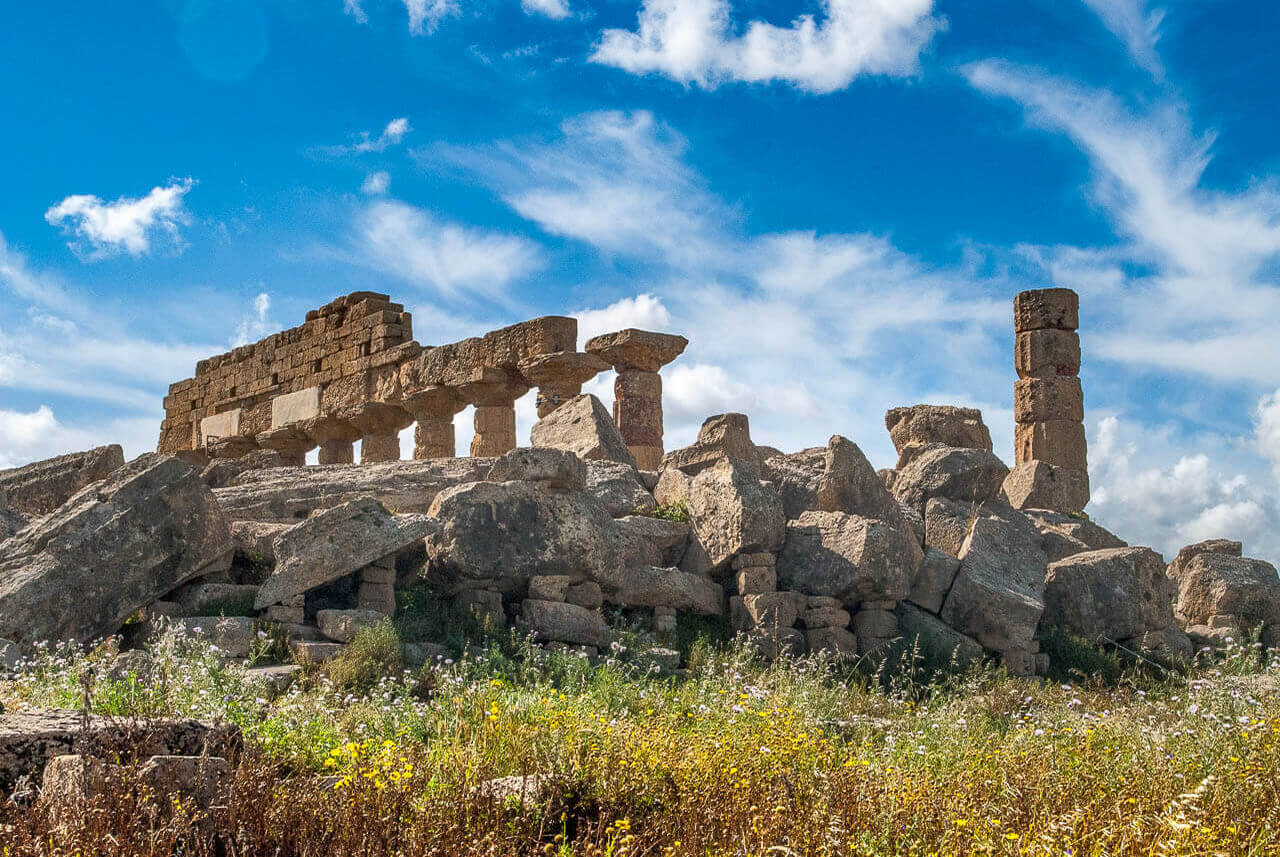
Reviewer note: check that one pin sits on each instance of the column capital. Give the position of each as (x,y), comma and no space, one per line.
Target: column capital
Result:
(645,350)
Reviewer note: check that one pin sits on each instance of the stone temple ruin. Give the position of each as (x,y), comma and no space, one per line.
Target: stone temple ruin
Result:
(594,523)
(352,372)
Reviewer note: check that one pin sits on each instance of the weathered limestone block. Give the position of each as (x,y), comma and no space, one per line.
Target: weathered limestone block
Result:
(549,587)
(1109,594)
(835,641)
(341,626)
(581,425)
(933,579)
(963,475)
(291,442)
(29,741)
(733,512)
(796,477)
(292,408)
(770,610)
(485,604)
(1065,534)
(848,557)
(1039,309)
(562,622)
(499,534)
(637,349)
(654,541)
(315,652)
(337,542)
(1186,554)
(721,436)
(1171,642)
(377,597)
(225,424)
(334,436)
(757,579)
(937,424)
(1047,353)
(825,617)
(1041,485)
(379,424)
(587,595)
(553,469)
(650,586)
(560,376)
(232,447)
(618,487)
(775,643)
(1219,584)
(850,484)
(288,495)
(41,487)
(998,594)
(875,624)
(1060,443)
(1056,397)
(111,549)
(936,639)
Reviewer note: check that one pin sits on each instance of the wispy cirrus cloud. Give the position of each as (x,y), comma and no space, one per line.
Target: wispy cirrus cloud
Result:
(695,42)
(132,225)
(1136,26)
(424,15)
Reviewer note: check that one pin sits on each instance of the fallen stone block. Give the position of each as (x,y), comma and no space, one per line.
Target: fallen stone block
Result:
(337,542)
(937,424)
(733,512)
(936,639)
(835,641)
(1109,595)
(618,487)
(971,476)
(933,580)
(721,436)
(42,486)
(1040,485)
(649,586)
(1218,584)
(847,557)
(554,468)
(342,626)
(565,623)
(584,427)
(110,550)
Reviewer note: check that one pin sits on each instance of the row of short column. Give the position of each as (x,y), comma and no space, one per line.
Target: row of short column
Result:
(299,426)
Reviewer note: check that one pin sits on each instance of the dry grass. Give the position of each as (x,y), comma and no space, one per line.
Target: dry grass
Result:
(739,758)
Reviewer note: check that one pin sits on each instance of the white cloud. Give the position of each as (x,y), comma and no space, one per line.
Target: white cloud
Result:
(694,41)
(376,184)
(128,225)
(424,15)
(1133,25)
(1191,288)
(1267,429)
(392,135)
(27,436)
(453,260)
(555,9)
(644,311)
(257,325)
(1147,488)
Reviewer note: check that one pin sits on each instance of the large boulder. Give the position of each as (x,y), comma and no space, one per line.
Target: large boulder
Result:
(584,427)
(337,542)
(796,476)
(112,548)
(947,524)
(650,586)
(937,424)
(1064,535)
(848,557)
(290,494)
(618,487)
(653,541)
(1109,595)
(1041,485)
(721,436)
(998,594)
(11,520)
(1213,585)
(255,542)
(554,469)
(41,487)
(497,535)
(933,580)
(565,623)
(935,639)
(733,512)
(960,474)
(1226,547)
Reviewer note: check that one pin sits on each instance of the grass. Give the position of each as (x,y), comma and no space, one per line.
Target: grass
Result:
(738,757)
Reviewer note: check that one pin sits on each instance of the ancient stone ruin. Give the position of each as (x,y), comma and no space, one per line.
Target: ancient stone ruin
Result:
(352,372)
(594,523)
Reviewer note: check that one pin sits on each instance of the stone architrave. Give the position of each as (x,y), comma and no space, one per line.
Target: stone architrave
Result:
(637,355)
(560,376)
(42,486)
(494,393)
(433,408)
(380,424)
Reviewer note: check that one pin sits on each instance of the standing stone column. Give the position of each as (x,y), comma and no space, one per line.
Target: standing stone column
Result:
(637,355)
(494,394)
(434,408)
(380,424)
(1048,404)
(559,376)
(334,436)
(291,442)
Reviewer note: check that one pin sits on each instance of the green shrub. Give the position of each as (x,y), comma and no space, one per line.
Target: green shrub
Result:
(374,654)
(677,511)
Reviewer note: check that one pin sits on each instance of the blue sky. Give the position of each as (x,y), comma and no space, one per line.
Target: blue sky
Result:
(835,202)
